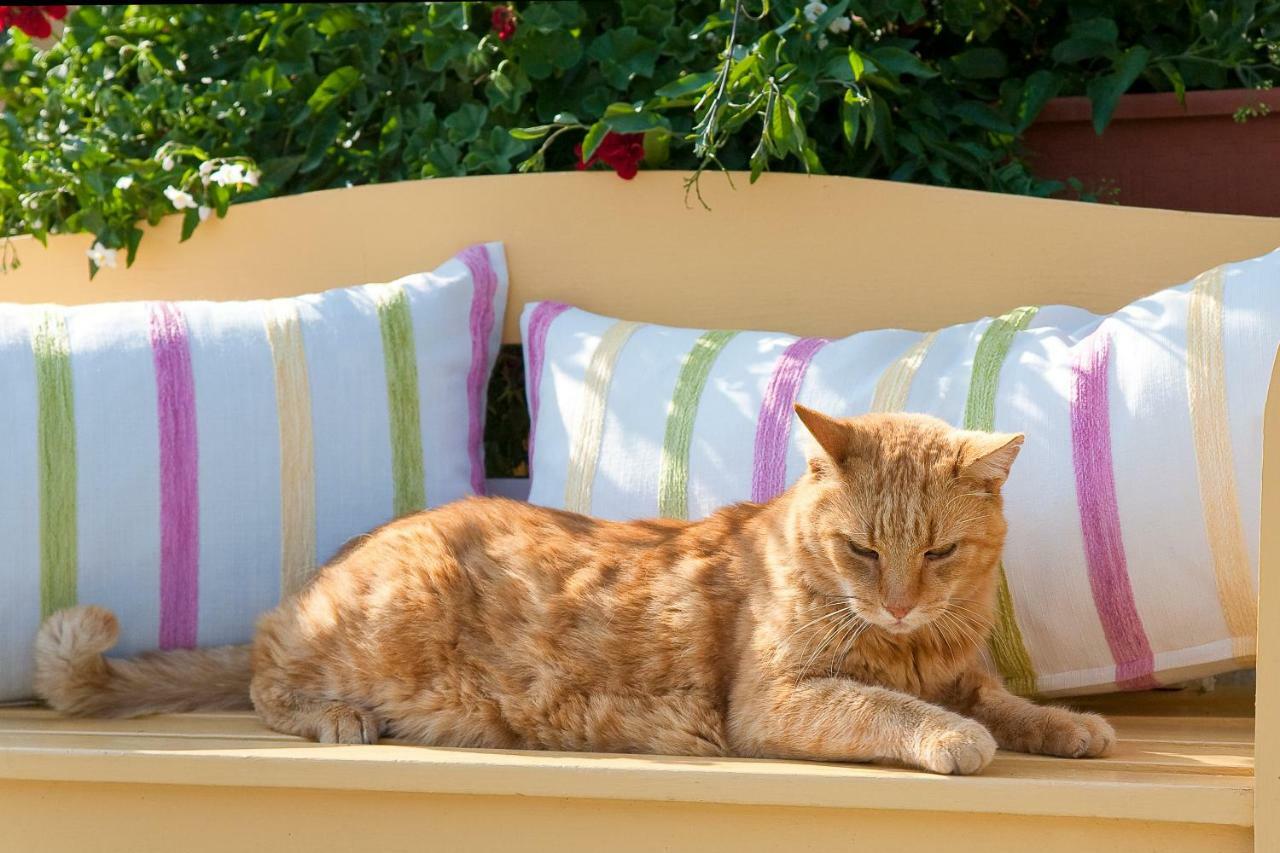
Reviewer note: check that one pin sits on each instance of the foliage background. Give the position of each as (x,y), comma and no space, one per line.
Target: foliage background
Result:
(325,95)
(109,127)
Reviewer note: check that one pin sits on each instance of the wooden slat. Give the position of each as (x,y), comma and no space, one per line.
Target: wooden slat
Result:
(166,732)
(121,818)
(1183,769)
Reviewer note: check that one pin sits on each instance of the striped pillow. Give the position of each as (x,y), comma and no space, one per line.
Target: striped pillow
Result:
(1132,557)
(187,464)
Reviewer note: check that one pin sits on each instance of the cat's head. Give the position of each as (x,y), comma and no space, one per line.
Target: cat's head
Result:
(901,515)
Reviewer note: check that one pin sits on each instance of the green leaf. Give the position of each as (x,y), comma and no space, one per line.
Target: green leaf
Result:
(189,222)
(850,116)
(759,160)
(595,135)
(1175,79)
(856,65)
(982,116)
(1102,29)
(465,124)
(1040,87)
(981,63)
(1087,40)
(338,19)
(530,133)
(689,84)
(1072,50)
(333,88)
(541,55)
(633,121)
(624,54)
(870,121)
(897,61)
(657,147)
(133,238)
(1105,91)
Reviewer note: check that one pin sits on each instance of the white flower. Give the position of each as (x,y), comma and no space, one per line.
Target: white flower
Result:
(251,177)
(822,42)
(167,164)
(227,174)
(206,169)
(840,25)
(37,224)
(124,183)
(181,200)
(813,10)
(204,212)
(101,256)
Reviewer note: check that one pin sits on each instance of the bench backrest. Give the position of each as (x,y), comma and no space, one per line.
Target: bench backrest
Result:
(808,255)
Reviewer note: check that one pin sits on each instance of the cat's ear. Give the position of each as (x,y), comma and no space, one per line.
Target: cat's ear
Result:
(988,456)
(831,434)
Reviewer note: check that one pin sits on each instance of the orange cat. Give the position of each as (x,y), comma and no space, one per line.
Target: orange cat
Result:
(844,620)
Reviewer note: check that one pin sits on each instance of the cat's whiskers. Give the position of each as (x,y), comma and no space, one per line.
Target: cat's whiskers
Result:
(979,619)
(826,639)
(837,608)
(966,634)
(953,637)
(860,626)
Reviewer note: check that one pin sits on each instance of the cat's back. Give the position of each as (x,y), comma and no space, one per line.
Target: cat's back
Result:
(494,622)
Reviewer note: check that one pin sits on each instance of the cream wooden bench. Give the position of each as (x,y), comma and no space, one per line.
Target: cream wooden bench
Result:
(808,255)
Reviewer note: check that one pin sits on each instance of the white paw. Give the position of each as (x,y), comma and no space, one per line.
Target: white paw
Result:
(344,724)
(955,746)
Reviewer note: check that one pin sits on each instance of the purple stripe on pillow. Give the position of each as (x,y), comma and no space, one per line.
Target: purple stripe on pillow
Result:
(485,287)
(1100,517)
(179,492)
(535,351)
(773,429)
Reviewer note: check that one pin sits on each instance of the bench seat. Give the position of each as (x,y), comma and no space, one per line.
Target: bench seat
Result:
(1181,778)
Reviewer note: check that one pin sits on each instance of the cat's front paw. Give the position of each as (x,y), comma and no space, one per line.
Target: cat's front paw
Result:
(955,746)
(1067,734)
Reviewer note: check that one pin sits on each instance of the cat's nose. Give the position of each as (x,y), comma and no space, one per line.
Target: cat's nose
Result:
(899,611)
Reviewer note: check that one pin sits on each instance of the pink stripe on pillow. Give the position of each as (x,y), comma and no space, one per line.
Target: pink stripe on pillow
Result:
(1100,517)
(485,286)
(773,429)
(535,351)
(179,492)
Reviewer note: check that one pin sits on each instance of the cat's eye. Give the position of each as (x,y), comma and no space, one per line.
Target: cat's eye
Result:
(941,553)
(864,553)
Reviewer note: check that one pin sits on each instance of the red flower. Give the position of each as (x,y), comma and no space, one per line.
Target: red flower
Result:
(32,20)
(621,152)
(503,22)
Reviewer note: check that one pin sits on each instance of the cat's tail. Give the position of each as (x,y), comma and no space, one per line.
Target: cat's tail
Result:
(73,676)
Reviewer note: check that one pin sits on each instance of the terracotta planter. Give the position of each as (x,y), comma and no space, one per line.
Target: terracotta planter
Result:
(1159,153)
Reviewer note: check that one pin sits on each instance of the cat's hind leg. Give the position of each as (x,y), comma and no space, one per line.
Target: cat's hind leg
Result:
(287,710)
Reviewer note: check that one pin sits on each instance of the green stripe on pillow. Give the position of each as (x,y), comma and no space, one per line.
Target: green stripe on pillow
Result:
(57,451)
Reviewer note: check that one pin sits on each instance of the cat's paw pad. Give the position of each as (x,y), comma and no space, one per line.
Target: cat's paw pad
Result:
(961,747)
(340,723)
(1070,735)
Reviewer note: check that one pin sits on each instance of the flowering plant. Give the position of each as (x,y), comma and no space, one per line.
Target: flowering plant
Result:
(38,22)
(139,111)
